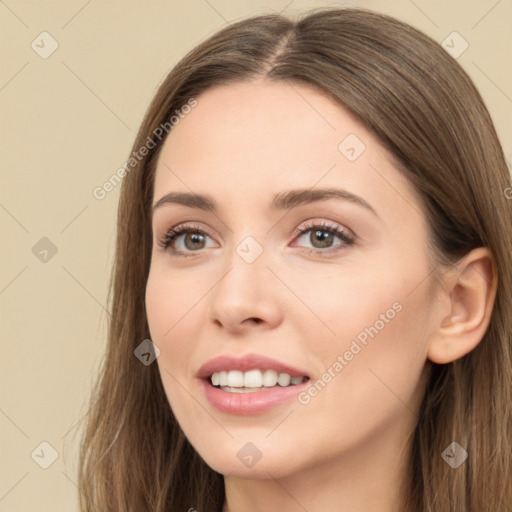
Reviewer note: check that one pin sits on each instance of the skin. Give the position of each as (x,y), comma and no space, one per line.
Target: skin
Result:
(345,449)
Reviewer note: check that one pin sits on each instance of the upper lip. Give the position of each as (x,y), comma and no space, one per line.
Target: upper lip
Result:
(246,363)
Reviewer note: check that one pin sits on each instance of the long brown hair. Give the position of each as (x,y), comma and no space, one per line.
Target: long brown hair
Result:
(425,110)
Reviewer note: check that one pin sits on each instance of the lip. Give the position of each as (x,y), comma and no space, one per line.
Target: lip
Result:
(256,402)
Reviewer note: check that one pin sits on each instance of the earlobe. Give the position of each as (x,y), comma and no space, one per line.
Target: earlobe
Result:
(470,291)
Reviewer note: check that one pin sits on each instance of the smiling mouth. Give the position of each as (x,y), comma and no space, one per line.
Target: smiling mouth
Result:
(235,381)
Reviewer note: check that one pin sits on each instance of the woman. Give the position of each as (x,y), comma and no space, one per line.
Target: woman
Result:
(312,286)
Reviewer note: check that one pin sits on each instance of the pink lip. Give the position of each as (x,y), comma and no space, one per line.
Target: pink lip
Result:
(256,402)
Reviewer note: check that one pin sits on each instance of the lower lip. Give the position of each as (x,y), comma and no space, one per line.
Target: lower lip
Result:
(254,402)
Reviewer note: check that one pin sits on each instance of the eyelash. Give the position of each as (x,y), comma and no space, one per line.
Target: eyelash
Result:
(168,238)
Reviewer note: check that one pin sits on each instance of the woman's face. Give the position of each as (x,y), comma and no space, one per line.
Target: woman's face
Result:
(287,280)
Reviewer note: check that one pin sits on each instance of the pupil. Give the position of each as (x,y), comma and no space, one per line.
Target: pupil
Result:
(192,239)
(324,237)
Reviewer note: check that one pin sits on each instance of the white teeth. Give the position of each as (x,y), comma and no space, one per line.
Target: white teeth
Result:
(236,380)
(270,378)
(240,390)
(253,379)
(284,379)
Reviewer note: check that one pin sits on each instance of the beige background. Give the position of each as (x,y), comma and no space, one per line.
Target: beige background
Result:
(68,122)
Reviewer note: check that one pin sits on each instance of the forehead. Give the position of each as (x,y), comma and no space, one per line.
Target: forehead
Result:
(258,117)
(248,140)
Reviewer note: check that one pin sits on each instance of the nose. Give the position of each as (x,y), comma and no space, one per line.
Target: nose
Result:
(245,297)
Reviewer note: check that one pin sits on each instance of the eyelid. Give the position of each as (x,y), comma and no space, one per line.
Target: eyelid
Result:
(327,226)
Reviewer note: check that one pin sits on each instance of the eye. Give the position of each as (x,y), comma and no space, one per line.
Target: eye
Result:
(184,239)
(187,239)
(322,236)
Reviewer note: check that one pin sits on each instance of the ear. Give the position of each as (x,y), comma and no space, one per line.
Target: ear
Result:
(469,291)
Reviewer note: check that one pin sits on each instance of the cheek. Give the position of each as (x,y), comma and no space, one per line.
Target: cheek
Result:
(372,368)
(171,298)
(173,325)
(363,301)
(172,308)
(376,320)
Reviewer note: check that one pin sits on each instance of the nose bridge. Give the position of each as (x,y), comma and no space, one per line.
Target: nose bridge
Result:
(244,277)
(245,256)
(244,290)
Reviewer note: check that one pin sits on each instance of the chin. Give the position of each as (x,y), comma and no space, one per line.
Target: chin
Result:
(247,461)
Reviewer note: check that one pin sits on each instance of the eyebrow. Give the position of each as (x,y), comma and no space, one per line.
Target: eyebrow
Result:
(281,201)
